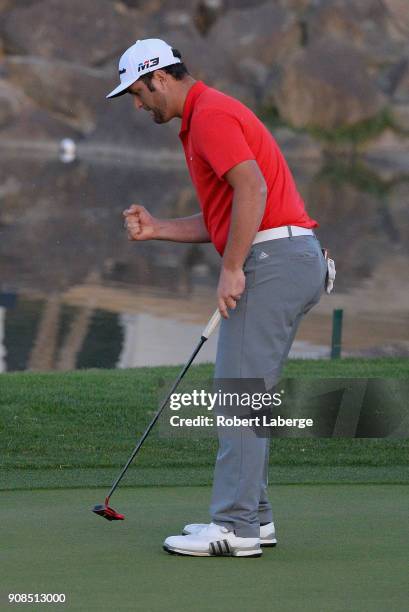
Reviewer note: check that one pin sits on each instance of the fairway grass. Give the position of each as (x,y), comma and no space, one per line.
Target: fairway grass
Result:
(340,505)
(78,428)
(341,548)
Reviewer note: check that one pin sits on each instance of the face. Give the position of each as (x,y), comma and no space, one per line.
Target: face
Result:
(154,102)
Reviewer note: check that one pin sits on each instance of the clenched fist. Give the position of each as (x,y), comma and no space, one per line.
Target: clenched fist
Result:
(139,223)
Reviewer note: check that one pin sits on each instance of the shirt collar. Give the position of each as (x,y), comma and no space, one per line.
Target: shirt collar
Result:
(193,94)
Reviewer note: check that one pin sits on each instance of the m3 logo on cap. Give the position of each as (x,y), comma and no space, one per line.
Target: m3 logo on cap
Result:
(122,71)
(149,63)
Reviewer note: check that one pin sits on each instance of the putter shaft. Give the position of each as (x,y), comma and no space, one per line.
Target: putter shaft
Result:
(155,418)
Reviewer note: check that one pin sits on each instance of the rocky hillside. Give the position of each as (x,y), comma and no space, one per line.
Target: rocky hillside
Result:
(329,76)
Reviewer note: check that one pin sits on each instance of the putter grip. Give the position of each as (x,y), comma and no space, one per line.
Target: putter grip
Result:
(211,326)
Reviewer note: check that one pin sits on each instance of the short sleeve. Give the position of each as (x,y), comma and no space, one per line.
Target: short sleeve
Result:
(219,139)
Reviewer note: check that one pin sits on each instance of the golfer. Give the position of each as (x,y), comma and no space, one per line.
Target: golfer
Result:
(272,269)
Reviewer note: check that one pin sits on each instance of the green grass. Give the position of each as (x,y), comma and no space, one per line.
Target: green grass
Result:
(341,546)
(356,133)
(355,173)
(340,549)
(272,119)
(77,429)
(353,134)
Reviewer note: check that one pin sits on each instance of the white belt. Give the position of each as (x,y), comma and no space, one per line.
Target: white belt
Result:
(286,231)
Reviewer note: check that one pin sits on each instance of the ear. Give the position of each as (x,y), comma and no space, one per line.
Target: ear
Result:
(161,79)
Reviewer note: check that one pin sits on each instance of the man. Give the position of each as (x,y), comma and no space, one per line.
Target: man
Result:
(272,269)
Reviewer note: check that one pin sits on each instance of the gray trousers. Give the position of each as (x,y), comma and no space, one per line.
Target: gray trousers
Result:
(284,280)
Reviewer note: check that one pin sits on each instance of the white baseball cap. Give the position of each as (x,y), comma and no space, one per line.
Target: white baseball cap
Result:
(143,57)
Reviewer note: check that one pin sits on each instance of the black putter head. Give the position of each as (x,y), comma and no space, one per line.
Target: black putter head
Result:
(109,513)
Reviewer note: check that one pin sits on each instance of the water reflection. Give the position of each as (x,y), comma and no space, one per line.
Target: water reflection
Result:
(48,335)
(43,335)
(75,293)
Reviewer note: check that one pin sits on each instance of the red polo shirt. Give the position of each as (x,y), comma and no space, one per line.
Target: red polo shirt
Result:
(219,132)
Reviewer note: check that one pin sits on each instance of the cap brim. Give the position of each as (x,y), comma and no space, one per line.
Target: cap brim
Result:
(121,89)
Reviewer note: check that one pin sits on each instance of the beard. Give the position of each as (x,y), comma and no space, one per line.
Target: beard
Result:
(159,112)
(158,115)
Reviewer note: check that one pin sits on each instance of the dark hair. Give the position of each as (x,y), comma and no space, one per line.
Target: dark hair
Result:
(177,71)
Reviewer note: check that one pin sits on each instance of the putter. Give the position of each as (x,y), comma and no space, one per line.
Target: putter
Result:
(104,509)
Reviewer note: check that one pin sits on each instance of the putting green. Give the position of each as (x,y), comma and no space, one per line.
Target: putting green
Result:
(341,548)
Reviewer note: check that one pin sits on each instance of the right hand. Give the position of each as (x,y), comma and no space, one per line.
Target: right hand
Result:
(139,223)
(230,289)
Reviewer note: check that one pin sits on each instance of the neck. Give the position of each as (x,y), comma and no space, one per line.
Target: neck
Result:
(184,88)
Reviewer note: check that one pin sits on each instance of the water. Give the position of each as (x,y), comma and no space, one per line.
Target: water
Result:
(74,293)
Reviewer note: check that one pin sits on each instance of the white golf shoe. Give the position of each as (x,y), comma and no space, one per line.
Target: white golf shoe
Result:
(213,540)
(267,532)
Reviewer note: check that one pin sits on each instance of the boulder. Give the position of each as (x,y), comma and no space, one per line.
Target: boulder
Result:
(253,72)
(195,9)
(4,5)
(65,31)
(266,33)
(133,3)
(74,92)
(401,91)
(388,154)
(398,210)
(241,4)
(209,63)
(365,25)
(351,226)
(160,22)
(326,85)
(192,47)
(12,102)
(179,30)
(299,6)
(400,116)
(390,76)
(241,91)
(164,15)
(206,14)
(296,146)
(397,18)
(245,46)
(160,6)
(374,27)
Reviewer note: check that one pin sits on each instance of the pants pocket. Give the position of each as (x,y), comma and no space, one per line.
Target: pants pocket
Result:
(249,271)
